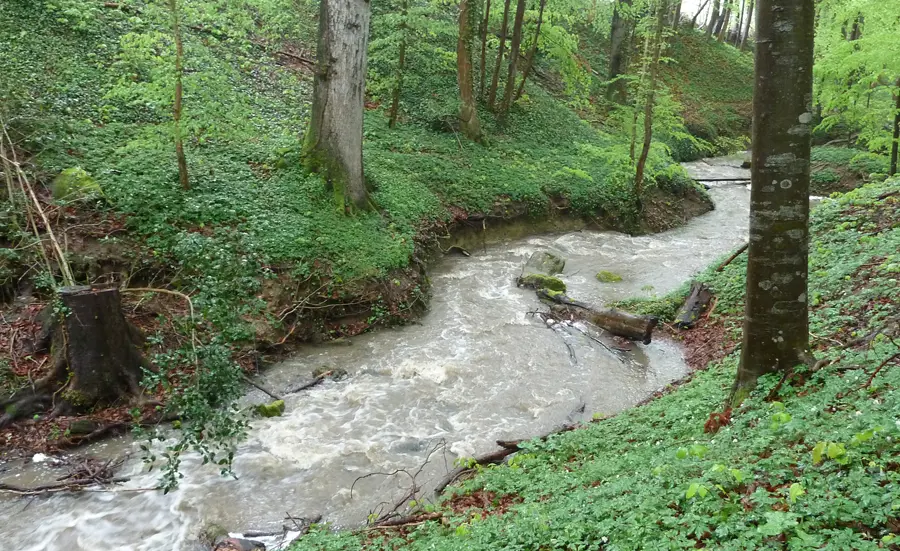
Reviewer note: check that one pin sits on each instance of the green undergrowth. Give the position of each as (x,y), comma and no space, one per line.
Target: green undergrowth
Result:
(840,169)
(813,466)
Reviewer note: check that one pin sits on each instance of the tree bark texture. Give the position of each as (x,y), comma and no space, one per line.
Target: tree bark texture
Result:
(484,33)
(776,320)
(529,61)
(96,358)
(333,142)
(713,19)
(617,91)
(740,22)
(468,112)
(176,115)
(746,33)
(401,67)
(495,79)
(651,98)
(514,47)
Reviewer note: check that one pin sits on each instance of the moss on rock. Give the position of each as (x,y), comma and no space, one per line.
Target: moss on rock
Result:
(275,409)
(604,276)
(541,281)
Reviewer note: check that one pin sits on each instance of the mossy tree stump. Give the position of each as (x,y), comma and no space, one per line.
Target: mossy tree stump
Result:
(95,354)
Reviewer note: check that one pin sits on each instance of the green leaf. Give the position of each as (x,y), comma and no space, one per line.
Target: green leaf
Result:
(692,490)
(818,451)
(796,491)
(682,453)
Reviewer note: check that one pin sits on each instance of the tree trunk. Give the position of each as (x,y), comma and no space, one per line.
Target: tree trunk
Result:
(697,15)
(713,19)
(617,322)
(333,142)
(484,33)
(514,47)
(740,23)
(495,79)
(179,72)
(532,51)
(468,112)
(726,22)
(617,90)
(776,320)
(401,67)
(895,144)
(96,358)
(746,33)
(676,17)
(651,99)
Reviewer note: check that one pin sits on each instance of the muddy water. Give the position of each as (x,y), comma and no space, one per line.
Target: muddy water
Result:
(477,367)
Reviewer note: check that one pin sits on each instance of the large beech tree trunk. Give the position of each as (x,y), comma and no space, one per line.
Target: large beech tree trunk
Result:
(495,79)
(468,112)
(177,110)
(96,358)
(617,91)
(776,320)
(514,47)
(333,142)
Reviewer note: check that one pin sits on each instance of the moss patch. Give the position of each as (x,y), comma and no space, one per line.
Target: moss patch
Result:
(604,276)
(541,281)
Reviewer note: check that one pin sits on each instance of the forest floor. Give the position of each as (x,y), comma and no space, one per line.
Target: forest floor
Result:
(810,460)
(256,243)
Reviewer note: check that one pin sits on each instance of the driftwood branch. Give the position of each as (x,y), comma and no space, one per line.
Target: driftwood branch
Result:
(731,258)
(258,386)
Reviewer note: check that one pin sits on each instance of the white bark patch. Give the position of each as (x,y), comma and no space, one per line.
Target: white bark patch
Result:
(795,234)
(805,118)
(780,161)
(786,184)
(802,298)
(765,285)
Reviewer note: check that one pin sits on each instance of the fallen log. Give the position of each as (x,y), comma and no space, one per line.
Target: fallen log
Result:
(65,486)
(617,322)
(697,301)
(731,258)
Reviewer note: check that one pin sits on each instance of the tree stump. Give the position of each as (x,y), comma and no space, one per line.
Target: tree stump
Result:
(95,354)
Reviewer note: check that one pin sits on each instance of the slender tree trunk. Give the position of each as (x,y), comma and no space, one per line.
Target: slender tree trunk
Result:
(713,19)
(645,68)
(617,90)
(651,98)
(776,320)
(468,113)
(401,67)
(746,34)
(495,79)
(333,142)
(484,34)
(533,50)
(740,23)
(726,22)
(514,47)
(697,15)
(176,115)
(676,17)
(895,144)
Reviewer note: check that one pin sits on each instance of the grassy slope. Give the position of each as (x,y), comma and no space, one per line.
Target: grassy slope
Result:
(714,83)
(99,98)
(839,169)
(651,478)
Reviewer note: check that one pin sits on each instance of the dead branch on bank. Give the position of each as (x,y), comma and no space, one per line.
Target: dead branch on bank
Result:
(81,476)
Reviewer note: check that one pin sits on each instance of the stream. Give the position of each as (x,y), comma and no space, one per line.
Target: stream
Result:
(476,367)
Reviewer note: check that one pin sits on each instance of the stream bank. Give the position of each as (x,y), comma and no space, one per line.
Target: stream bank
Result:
(475,368)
